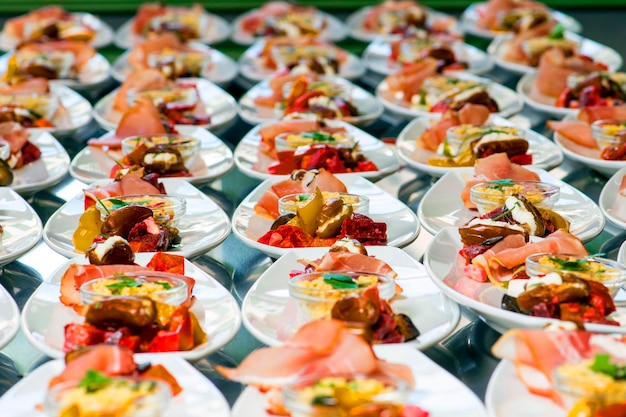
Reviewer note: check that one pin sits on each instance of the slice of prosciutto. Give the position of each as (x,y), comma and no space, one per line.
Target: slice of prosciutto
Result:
(138,57)
(474,114)
(576,131)
(138,81)
(408,81)
(591,114)
(82,51)
(348,261)
(37,85)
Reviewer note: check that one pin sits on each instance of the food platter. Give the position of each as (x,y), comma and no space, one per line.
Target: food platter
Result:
(199,396)
(204,225)
(612,202)
(546,155)
(21,226)
(44,317)
(536,100)
(214,159)
(437,211)
(402,224)
(247,152)
(268,312)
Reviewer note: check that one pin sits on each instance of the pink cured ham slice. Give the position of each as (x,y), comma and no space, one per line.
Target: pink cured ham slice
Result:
(131,183)
(346,261)
(82,51)
(138,81)
(489,12)
(15,26)
(269,132)
(432,137)
(138,57)
(33,86)
(591,114)
(15,135)
(515,51)
(555,68)
(409,80)
(577,132)
(622,186)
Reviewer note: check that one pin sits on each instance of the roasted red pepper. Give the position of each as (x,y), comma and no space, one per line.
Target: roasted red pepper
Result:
(177,336)
(79,335)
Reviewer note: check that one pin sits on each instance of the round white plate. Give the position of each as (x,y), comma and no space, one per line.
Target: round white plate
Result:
(537,101)
(216,30)
(251,68)
(508,100)
(9,317)
(198,398)
(368,106)
(611,202)
(507,396)
(214,159)
(621,254)
(247,152)
(355,24)
(335,29)
(545,154)
(444,265)
(377,53)
(21,226)
(104,33)
(402,224)
(220,105)
(438,210)
(600,53)
(203,226)
(44,317)
(221,70)
(469,21)
(270,315)
(433,391)
(47,170)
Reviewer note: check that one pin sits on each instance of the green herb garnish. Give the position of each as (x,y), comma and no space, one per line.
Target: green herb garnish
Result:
(558,32)
(318,137)
(578,265)
(340,281)
(499,184)
(302,197)
(166,285)
(506,212)
(324,400)
(126,282)
(94,381)
(602,364)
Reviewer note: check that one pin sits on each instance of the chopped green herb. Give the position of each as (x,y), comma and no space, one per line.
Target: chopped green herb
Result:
(166,285)
(578,265)
(506,212)
(302,197)
(340,281)
(602,364)
(318,136)
(94,381)
(126,282)
(558,32)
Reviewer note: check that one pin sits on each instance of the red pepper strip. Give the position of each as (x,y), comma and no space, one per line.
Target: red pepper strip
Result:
(167,262)
(301,103)
(177,336)
(524,159)
(439,107)
(364,166)
(80,335)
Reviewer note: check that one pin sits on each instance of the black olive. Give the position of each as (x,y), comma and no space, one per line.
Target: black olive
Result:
(282,220)
(115,312)
(405,325)
(510,304)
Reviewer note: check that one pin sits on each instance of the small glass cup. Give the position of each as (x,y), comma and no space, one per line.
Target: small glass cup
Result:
(608,132)
(492,194)
(290,203)
(187,146)
(293,140)
(166,209)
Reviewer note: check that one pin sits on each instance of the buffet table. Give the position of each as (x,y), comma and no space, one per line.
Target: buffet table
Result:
(465,353)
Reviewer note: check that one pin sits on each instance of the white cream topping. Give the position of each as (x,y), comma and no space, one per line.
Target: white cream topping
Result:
(490,222)
(520,214)
(103,248)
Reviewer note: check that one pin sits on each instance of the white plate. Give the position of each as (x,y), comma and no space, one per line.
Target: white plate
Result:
(585,155)
(545,154)
(251,68)
(368,106)
(44,317)
(377,53)
(220,105)
(9,317)
(214,159)
(440,261)
(216,30)
(435,389)
(600,53)
(77,109)
(47,170)
(203,226)
(247,152)
(507,396)
(104,33)
(611,202)
(335,29)
(442,206)
(355,24)
(268,312)
(469,22)
(402,224)
(621,254)
(94,73)
(509,102)
(538,101)
(198,398)
(22,226)
(221,71)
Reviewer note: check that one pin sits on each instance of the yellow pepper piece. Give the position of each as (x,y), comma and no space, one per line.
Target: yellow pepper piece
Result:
(584,408)
(88,228)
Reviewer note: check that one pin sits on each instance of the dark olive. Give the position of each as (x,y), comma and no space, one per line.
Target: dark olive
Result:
(120,253)
(282,220)
(510,303)
(6,173)
(121,221)
(41,71)
(405,325)
(356,308)
(115,312)
(479,233)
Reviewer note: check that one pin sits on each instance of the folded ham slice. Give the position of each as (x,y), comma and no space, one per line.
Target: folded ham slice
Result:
(31,86)
(474,114)
(409,80)
(138,57)
(82,51)
(348,261)
(591,114)
(576,131)
(138,81)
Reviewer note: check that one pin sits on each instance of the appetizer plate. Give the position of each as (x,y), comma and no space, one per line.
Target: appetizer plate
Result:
(377,57)
(445,267)
(21,226)
(438,210)
(545,154)
(433,391)
(271,316)
(94,73)
(203,226)
(469,21)
(77,110)
(507,396)
(44,317)
(508,100)
(198,398)
(104,33)
(538,101)
(220,105)
(402,224)
(216,30)
(221,70)
(335,29)
(601,53)
(9,317)
(214,159)
(247,152)
(612,202)
(47,170)
(250,65)
(621,254)
(357,31)
(368,106)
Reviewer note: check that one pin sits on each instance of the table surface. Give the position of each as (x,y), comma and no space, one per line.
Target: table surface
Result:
(466,353)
